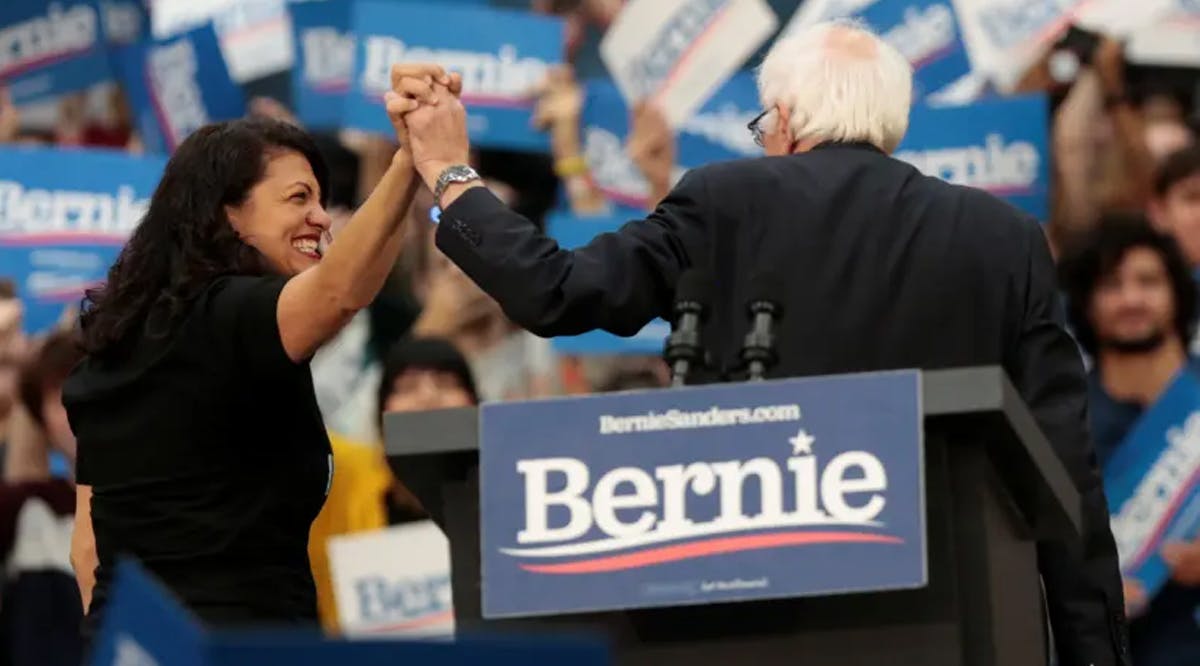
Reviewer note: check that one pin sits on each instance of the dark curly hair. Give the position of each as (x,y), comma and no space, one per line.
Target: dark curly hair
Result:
(1100,252)
(185,240)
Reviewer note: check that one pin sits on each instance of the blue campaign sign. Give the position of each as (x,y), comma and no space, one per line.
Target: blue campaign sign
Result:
(324,61)
(178,85)
(64,215)
(50,47)
(125,21)
(999,145)
(144,625)
(300,649)
(572,231)
(502,55)
(728,492)
(1153,483)
(928,34)
(716,132)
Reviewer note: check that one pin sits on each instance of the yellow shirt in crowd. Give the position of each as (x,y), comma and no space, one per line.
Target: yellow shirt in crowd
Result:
(356,503)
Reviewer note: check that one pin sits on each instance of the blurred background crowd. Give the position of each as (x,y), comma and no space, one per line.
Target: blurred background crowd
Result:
(1124,221)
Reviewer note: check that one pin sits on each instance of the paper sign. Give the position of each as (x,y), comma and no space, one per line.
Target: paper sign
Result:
(996,145)
(1005,37)
(394,581)
(1122,18)
(1172,41)
(1153,483)
(817,11)
(48,47)
(324,62)
(927,33)
(64,215)
(502,55)
(145,626)
(716,132)
(255,35)
(678,52)
(178,85)
(726,492)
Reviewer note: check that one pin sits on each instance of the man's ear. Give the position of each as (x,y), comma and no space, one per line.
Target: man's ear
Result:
(783,121)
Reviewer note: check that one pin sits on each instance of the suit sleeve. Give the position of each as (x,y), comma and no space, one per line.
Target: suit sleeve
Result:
(618,282)
(1083,584)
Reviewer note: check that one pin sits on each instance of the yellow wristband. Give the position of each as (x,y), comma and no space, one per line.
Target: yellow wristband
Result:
(568,167)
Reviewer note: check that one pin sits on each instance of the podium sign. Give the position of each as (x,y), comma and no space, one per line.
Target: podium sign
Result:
(788,488)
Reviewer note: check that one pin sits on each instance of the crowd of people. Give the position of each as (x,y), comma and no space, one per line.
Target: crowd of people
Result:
(1124,227)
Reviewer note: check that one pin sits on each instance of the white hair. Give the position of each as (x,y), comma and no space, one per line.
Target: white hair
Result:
(841,83)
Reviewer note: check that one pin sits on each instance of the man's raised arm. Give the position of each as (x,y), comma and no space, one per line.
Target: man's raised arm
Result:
(618,282)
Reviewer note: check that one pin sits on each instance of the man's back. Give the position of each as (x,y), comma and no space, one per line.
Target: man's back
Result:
(879,266)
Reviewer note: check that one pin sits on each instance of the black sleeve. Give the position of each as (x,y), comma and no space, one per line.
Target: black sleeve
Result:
(618,282)
(1083,581)
(240,314)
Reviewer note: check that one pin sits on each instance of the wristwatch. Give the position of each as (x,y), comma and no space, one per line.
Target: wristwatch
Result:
(459,173)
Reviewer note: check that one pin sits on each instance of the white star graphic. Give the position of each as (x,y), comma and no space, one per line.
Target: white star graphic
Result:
(802,443)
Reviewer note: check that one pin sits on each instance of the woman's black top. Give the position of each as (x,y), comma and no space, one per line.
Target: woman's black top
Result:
(208,460)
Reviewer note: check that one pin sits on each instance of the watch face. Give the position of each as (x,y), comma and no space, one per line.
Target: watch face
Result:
(464,173)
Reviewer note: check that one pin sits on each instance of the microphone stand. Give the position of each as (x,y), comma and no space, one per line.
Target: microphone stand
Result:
(758,350)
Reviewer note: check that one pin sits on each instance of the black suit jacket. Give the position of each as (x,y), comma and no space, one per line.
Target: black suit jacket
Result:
(882,268)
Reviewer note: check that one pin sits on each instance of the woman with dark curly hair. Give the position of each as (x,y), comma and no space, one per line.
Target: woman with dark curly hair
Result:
(200,448)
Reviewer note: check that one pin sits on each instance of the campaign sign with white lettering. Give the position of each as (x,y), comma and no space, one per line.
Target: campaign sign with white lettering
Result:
(125,21)
(572,231)
(178,85)
(1005,37)
(816,11)
(64,215)
(728,492)
(393,581)
(1153,483)
(324,62)
(1173,40)
(714,133)
(143,625)
(926,32)
(50,47)
(678,52)
(503,57)
(998,145)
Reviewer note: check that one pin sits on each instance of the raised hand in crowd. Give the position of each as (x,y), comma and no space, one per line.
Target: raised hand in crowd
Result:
(10,118)
(452,304)
(559,110)
(651,146)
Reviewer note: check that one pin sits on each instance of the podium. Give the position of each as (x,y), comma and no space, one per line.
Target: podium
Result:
(992,488)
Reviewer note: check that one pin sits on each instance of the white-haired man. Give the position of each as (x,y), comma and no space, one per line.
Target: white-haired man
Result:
(880,267)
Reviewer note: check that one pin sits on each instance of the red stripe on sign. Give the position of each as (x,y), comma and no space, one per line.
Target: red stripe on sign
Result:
(687,54)
(1147,548)
(436,618)
(31,65)
(706,548)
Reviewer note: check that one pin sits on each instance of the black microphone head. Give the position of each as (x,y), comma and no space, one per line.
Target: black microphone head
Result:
(766,291)
(693,292)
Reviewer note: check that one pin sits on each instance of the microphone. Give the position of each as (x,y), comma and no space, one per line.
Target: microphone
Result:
(758,350)
(683,350)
